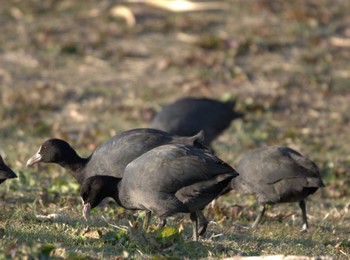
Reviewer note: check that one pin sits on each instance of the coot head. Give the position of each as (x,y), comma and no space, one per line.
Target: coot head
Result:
(52,151)
(95,189)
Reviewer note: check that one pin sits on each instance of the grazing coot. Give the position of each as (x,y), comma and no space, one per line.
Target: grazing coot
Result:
(169,179)
(5,171)
(188,116)
(277,175)
(112,156)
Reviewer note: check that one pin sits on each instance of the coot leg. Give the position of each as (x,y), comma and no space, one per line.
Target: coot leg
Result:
(162,222)
(194,219)
(203,223)
(147,220)
(259,217)
(302,206)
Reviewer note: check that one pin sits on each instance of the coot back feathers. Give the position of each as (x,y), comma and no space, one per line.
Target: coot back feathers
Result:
(187,116)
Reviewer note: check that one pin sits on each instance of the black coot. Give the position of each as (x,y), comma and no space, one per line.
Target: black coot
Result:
(112,156)
(187,116)
(277,175)
(5,171)
(166,180)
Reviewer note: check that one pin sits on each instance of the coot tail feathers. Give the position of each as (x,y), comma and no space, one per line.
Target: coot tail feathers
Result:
(199,194)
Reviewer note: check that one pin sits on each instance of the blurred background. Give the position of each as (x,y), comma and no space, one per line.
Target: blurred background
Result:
(86,70)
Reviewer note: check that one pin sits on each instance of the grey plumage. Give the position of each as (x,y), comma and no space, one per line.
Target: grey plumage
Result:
(277,175)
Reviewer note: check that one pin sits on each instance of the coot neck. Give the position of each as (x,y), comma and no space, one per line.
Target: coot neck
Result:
(121,195)
(117,192)
(76,166)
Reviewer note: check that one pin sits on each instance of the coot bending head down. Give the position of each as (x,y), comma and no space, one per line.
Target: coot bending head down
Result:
(112,156)
(169,179)
(5,171)
(277,175)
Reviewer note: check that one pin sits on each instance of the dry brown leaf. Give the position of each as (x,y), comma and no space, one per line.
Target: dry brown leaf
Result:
(16,13)
(340,42)
(125,13)
(187,38)
(92,234)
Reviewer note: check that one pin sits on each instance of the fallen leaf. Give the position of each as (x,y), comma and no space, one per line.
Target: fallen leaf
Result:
(124,12)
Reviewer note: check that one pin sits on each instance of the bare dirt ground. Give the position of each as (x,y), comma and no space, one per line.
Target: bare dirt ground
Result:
(72,70)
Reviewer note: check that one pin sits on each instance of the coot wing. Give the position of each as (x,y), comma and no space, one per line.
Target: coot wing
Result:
(169,168)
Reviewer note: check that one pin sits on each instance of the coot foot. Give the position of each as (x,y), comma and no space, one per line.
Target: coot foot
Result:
(259,217)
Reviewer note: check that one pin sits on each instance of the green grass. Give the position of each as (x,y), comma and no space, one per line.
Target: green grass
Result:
(31,224)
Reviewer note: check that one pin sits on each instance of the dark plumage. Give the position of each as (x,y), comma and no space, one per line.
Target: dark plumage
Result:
(112,156)
(188,116)
(169,179)
(277,175)
(5,171)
